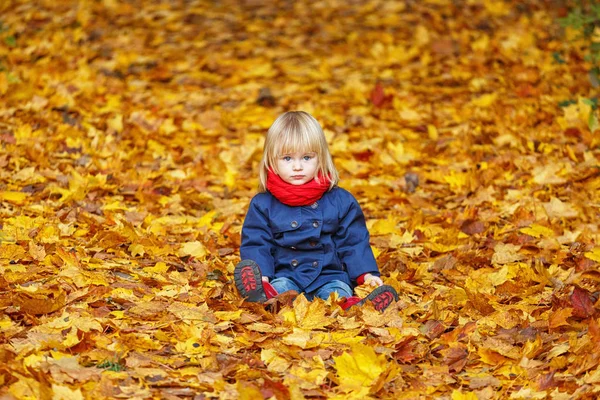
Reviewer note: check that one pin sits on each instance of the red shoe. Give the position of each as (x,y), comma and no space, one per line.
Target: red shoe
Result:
(248,280)
(381,297)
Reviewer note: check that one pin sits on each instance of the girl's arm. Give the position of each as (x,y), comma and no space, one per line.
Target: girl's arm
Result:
(353,248)
(257,240)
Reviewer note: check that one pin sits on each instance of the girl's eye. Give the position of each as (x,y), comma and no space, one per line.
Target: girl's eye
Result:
(287,158)
(307,158)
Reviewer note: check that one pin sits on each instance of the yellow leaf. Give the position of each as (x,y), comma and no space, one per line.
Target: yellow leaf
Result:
(593,255)
(27,174)
(311,315)
(37,252)
(300,338)
(410,115)
(558,209)
(65,393)
(485,101)
(248,391)
(194,249)
(456,180)
(192,346)
(33,360)
(361,368)
(159,268)
(17,198)
(505,253)
(206,219)
(115,123)
(558,349)
(537,231)
(529,393)
(350,336)
(118,314)
(11,252)
(27,388)
(168,127)
(228,315)
(6,323)
(439,247)
(71,339)
(398,240)
(383,226)
(136,249)
(547,174)
(497,8)
(491,357)
(432,132)
(458,395)
(274,362)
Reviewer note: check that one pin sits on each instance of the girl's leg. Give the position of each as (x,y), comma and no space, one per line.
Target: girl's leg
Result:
(341,288)
(248,280)
(284,284)
(381,297)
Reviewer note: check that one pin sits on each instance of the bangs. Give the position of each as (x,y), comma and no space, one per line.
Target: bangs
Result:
(294,137)
(295,143)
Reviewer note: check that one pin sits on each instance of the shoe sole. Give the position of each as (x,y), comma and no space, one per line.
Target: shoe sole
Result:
(248,280)
(381,297)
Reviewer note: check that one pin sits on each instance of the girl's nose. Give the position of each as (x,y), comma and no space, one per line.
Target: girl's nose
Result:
(297,165)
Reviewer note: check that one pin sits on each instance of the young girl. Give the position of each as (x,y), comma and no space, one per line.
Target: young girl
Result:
(302,232)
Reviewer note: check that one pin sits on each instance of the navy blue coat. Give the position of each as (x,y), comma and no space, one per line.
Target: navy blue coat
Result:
(311,245)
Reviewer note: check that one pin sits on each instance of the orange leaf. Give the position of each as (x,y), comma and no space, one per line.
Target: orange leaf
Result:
(559,317)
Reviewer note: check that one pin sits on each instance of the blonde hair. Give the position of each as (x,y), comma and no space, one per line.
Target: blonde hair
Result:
(291,132)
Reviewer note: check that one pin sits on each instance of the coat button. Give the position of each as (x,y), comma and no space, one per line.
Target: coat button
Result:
(315,224)
(312,243)
(314,205)
(315,264)
(294,263)
(294,224)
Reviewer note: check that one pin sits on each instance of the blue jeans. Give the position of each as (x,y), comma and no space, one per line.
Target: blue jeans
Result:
(341,288)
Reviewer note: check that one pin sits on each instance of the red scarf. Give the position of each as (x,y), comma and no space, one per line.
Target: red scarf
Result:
(296,195)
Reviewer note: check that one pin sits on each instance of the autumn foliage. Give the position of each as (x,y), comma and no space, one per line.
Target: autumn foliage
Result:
(130,133)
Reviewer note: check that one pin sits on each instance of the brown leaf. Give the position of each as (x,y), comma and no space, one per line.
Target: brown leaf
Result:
(41,302)
(455,357)
(546,381)
(444,47)
(481,303)
(432,329)
(271,388)
(582,305)
(404,350)
(443,263)
(471,227)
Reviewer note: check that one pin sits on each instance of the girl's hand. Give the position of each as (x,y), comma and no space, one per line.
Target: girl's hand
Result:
(265,279)
(373,280)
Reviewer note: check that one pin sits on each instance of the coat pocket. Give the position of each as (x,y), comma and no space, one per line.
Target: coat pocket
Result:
(290,221)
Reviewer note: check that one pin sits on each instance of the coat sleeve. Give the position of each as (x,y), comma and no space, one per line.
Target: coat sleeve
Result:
(352,243)
(257,240)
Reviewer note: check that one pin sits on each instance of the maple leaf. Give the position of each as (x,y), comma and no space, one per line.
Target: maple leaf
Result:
(505,253)
(378,96)
(559,318)
(582,305)
(359,369)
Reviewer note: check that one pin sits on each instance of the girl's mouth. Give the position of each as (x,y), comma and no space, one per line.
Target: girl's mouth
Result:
(297,176)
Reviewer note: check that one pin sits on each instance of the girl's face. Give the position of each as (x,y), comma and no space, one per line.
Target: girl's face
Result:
(297,168)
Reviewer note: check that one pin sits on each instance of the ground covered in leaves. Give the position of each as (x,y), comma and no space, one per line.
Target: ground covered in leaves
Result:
(130,134)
